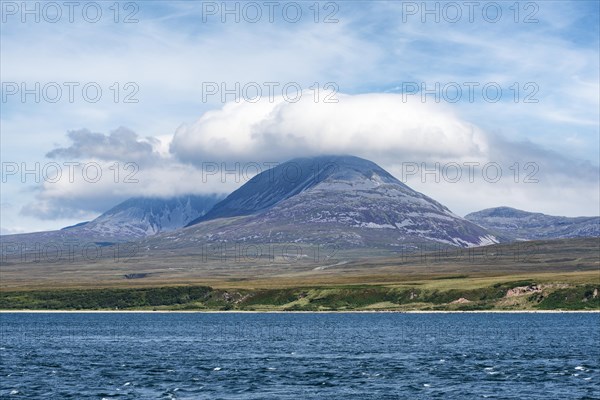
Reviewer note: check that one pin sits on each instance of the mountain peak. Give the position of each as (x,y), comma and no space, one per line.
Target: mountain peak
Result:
(334,172)
(502,212)
(344,200)
(142,216)
(339,167)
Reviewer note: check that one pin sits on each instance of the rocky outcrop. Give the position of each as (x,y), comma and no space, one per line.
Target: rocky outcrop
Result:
(522,290)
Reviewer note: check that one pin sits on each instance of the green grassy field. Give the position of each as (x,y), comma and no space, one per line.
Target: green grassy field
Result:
(578,291)
(558,275)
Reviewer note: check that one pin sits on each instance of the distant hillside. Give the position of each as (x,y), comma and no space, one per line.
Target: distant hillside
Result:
(523,225)
(139,217)
(130,220)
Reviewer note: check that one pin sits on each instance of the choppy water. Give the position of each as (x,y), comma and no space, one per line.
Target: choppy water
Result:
(299,356)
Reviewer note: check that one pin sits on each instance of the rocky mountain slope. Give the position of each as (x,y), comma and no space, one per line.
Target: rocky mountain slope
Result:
(328,200)
(140,217)
(523,225)
(130,220)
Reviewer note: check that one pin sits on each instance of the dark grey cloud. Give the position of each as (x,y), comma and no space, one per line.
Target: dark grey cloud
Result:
(122,144)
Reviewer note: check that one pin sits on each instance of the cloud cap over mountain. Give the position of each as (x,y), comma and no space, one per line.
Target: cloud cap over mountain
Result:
(384,124)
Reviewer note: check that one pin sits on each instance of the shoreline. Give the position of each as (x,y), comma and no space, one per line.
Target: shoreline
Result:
(465,295)
(297,312)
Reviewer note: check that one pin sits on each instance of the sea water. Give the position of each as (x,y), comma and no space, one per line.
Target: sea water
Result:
(299,355)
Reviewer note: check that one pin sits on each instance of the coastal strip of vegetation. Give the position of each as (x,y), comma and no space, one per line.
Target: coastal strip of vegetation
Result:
(511,295)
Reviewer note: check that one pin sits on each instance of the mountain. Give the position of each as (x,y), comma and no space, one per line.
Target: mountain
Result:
(523,225)
(130,220)
(139,217)
(292,178)
(344,201)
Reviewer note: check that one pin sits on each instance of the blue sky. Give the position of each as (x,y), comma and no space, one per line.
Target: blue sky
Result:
(373,51)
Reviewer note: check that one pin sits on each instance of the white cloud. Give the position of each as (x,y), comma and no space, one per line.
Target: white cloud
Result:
(383,125)
(82,195)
